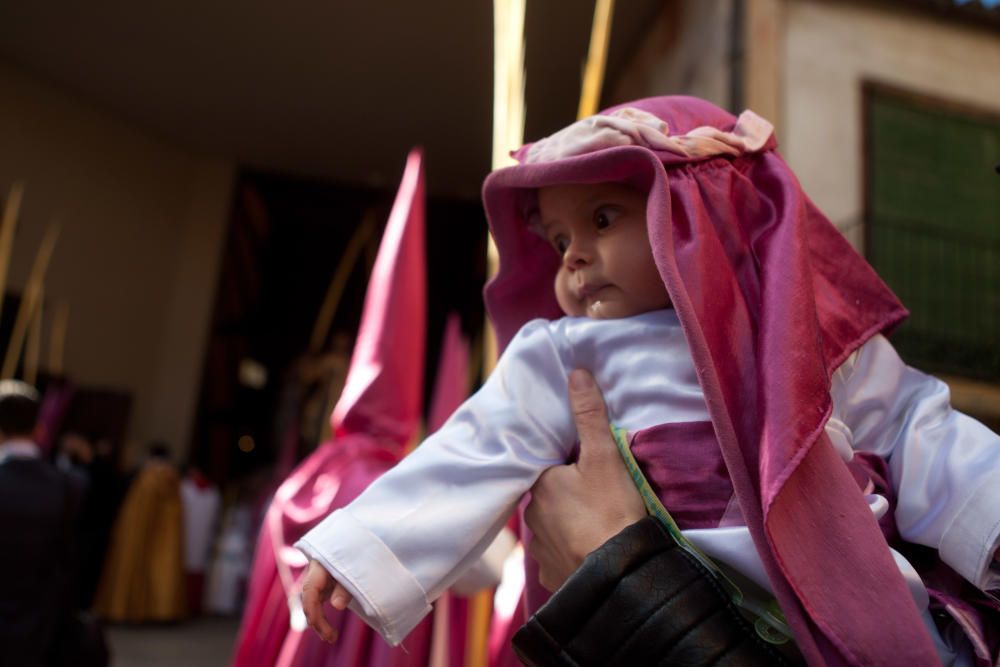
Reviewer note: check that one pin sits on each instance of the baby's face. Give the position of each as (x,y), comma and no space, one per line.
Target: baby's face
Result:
(607,268)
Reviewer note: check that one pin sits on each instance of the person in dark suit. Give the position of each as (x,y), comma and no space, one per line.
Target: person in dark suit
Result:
(38,512)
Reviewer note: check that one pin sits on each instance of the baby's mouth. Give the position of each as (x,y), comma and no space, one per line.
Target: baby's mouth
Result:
(589,292)
(591,297)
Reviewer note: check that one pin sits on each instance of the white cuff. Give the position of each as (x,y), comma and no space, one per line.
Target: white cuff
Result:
(969,543)
(386,596)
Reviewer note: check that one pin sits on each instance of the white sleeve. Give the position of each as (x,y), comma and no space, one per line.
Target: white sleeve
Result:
(403,541)
(945,465)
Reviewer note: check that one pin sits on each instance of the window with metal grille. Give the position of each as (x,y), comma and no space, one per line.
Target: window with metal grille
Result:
(933,227)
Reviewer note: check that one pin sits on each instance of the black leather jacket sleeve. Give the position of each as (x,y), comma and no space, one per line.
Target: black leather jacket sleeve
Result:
(641,600)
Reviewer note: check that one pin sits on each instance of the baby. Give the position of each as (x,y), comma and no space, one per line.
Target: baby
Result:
(663,255)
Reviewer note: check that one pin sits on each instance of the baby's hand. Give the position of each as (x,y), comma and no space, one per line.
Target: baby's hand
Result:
(317,586)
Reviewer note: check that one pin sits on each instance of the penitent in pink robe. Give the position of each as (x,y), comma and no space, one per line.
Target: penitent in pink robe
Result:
(376,417)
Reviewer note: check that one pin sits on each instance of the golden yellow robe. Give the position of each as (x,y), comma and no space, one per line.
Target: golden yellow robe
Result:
(143,577)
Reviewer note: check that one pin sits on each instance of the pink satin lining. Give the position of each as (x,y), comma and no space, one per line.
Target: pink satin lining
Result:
(684,466)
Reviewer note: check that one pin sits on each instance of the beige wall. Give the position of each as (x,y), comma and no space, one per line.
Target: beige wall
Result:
(142,227)
(830,49)
(684,53)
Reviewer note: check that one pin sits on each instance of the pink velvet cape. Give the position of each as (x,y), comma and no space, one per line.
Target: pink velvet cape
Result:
(772,299)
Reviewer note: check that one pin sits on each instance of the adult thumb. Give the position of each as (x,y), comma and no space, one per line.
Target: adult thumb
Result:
(597,445)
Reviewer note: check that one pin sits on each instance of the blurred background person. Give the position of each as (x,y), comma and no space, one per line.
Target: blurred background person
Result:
(88,460)
(39,507)
(201,501)
(143,577)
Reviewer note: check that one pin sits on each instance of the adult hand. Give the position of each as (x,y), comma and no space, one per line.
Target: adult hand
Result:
(317,586)
(576,508)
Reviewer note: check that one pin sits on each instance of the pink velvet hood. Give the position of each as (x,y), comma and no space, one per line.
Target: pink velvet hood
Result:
(772,299)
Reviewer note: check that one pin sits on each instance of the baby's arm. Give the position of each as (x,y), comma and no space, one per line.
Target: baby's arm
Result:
(416,528)
(945,465)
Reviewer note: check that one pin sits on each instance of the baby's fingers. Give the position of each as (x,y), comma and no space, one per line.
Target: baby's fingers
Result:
(316,580)
(340,597)
(313,610)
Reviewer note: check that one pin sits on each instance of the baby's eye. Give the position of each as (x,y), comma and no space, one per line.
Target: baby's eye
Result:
(604,216)
(560,243)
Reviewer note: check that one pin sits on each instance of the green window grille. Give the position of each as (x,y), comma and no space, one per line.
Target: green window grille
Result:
(933,228)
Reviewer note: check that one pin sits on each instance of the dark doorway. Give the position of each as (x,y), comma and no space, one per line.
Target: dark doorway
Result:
(285,241)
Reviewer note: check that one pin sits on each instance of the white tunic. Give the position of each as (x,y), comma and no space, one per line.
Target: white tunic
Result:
(400,544)
(201,511)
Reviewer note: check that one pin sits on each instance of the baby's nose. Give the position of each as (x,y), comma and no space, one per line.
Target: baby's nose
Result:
(577,255)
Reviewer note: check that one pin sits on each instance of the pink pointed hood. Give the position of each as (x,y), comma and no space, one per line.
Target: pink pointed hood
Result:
(382,395)
(451,387)
(772,299)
